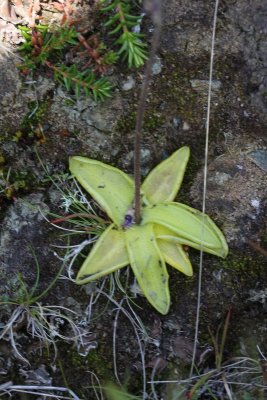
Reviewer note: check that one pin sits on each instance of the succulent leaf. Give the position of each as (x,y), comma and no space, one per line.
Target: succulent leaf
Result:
(188,223)
(168,235)
(109,186)
(148,266)
(175,256)
(107,255)
(164,181)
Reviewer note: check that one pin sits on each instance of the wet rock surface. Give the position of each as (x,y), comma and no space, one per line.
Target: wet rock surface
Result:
(236,199)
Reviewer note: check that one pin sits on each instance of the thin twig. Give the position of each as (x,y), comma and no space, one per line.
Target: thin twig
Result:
(257,247)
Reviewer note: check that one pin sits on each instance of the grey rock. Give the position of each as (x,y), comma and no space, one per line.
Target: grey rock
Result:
(128,84)
(259,157)
(232,192)
(22,227)
(145,160)
(203,85)
(241,37)
(220,178)
(177,122)
(39,376)
(157,66)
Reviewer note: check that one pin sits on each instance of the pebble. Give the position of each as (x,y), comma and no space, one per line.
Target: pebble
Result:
(157,66)
(219,178)
(186,126)
(201,84)
(128,84)
(255,203)
(176,122)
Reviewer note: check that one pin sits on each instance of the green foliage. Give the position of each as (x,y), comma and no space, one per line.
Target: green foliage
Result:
(122,21)
(158,239)
(116,393)
(85,80)
(44,47)
(41,45)
(11,182)
(25,295)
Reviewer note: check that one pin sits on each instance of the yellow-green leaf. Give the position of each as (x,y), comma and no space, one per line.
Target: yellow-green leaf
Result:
(107,255)
(111,188)
(175,256)
(187,223)
(148,266)
(164,181)
(164,233)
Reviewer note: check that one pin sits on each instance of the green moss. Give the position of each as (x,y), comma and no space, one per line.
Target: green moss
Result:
(2,159)
(126,123)
(33,120)
(18,181)
(99,363)
(153,121)
(243,263)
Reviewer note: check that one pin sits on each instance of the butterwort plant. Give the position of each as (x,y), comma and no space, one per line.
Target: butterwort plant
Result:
(157,238)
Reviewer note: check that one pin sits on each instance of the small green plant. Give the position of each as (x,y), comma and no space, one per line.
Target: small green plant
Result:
(40,321)
(158,238)
(79,213)
(236,378)
(76,81)
(11,183)
(132,48)
(42,45)
(116,393)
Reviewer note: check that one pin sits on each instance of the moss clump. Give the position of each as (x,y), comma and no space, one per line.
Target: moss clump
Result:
(126,123)
(31,126)
(243,263)
(2,160)
(18,181)
(35,117)
(152,121)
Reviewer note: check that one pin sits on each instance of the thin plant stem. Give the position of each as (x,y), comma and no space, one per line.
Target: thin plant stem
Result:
(204,185)
(224,336)
(156,16)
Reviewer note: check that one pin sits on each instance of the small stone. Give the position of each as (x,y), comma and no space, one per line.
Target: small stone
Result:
(128,84)
(145,155)
(203,85)
(255,203)
(186,126)
(217,274)
(157,66)
(135,289)
(176,122)
(38,376)
(90,288)
(219,178)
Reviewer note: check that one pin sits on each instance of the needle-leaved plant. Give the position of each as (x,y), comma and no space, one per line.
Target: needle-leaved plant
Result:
(165,226)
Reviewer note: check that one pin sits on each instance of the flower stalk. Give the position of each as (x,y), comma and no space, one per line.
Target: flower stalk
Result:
(156,16)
